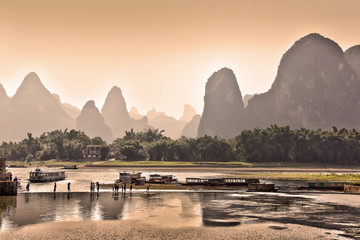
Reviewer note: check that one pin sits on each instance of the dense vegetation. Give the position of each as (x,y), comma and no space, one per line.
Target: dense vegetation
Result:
(57,144)
(273,144)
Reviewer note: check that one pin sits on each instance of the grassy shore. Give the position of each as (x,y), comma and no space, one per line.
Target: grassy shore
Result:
(274,165)
(122,163)
(52,162)
(302,176)
(274,170)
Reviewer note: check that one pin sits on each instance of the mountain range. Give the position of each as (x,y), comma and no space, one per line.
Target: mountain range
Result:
(317,86)
(33,109)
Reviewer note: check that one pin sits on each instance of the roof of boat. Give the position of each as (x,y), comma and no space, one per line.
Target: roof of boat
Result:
(41,171)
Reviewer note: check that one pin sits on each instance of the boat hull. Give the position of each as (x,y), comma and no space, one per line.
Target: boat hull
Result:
(40,176)
(70,167)
(47,180)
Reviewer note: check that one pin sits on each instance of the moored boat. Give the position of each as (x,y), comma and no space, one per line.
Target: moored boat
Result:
(70,167)
(157,178)
(348,188)
(126,177)
(261,187)
(325,186)
(220,181)
(40,176)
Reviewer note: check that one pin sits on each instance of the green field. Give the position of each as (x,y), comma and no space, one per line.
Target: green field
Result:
(304,176)
(285,171)
(224,164)
(52,162)
(112,162)
(170,163)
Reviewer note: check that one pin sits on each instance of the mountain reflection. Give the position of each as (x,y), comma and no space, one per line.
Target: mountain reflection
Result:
(166,209)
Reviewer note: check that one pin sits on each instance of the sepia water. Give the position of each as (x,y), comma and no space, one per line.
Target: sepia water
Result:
(173,208)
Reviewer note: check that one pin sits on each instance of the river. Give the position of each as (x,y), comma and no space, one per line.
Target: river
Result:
(327,210)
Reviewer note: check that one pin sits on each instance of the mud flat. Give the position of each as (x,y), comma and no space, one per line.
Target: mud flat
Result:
(122,229)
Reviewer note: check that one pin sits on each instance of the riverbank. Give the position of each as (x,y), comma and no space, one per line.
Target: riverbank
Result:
(112,163)
(81,178)
(124,229)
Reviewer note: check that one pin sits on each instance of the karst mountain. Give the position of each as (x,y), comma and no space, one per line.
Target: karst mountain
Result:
(32,109)
(317,86)
(223,106)
(352,56)
(92,123)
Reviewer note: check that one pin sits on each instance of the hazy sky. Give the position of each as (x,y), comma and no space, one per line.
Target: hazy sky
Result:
(159,52)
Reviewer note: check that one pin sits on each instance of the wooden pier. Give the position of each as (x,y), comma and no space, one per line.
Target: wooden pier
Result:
(220,181)
(8,188)
(261,187)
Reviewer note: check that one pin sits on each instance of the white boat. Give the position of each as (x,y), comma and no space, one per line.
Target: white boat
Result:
(126,177)
(39,176)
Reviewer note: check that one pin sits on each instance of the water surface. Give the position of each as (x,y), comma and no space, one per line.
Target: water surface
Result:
(175,208)
(179,209)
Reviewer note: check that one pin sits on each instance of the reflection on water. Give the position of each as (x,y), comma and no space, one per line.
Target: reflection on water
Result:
(178,209)
(165,209)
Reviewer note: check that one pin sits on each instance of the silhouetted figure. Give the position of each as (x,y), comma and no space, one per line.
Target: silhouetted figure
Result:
(54,186)
(97,186)
(16,180)
(92,187)
(28,187)
(69,186)
(125,187)
(148,188)
(130,187)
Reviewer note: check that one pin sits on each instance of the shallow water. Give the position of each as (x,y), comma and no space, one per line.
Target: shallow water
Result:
(175,208)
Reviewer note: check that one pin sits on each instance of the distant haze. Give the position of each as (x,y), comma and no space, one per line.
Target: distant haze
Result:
(159,52)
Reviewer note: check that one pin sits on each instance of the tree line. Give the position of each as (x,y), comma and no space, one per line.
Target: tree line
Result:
(273,144)
(58,144)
